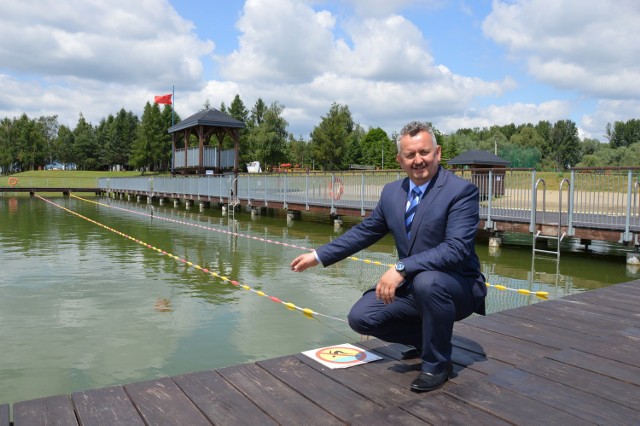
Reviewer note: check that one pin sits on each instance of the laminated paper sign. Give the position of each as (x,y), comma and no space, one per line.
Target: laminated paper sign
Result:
(341,356)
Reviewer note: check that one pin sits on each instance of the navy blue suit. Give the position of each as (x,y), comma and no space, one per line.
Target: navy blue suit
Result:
(443,280)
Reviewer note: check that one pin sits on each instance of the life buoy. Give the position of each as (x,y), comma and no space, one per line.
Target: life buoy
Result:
(13,181)
(336,189)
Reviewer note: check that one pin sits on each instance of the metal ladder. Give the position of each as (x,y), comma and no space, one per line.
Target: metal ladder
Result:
(537,234)
(232,199)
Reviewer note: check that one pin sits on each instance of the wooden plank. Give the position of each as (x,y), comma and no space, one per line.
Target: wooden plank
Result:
(461,373)
(600,365)
(388,416)
(512,407)
(623,393)
(535,332)
(621,346)
(219,401)
(600,316)
(5,419)
(340,401)
(52,410)
(161,401)
(282,403)
(582,321)
(365,382)
(574,401)
(507,349)
(442,408)
(107,406)
(605,299)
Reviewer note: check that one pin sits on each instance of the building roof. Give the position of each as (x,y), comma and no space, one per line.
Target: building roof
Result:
(210,118)
(477,157)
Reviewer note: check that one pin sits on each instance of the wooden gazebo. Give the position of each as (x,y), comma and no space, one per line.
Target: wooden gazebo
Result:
(205,159)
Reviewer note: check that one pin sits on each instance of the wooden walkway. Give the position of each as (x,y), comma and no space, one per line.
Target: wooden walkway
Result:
(569,361)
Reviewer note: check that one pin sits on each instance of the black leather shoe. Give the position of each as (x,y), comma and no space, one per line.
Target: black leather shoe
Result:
(431,381)
(410,353)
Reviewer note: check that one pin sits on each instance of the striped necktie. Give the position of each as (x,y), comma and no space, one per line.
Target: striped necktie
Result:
(412,205)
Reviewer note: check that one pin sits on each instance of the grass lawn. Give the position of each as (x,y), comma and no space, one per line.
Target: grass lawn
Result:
(65,178)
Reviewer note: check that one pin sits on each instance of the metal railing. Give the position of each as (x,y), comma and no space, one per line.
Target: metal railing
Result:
(596,198)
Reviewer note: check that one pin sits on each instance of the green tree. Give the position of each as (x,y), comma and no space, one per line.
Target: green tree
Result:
(270,137)
(624,133)
(354,153)
(7,145)
(377,147)
(257,112)
(65,145)
(298,151)
(30,143)
(565,144)
(49,127)
(329,139)
(150,139)
(86,152)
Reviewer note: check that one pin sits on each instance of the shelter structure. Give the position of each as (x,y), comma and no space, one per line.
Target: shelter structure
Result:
(479,163)
(205,159)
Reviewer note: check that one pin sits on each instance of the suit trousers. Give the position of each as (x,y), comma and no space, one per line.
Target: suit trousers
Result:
(422,315)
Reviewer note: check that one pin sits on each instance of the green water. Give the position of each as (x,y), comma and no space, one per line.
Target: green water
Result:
(84,307)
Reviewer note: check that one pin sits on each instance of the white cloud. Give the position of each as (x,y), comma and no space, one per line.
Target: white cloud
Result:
(382,68)
(551,111)
(115,41)
(585,45)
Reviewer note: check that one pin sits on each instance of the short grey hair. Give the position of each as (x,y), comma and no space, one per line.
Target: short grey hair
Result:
(413,129)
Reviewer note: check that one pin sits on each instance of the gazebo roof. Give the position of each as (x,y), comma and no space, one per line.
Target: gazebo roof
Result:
(477,157)
(210,118)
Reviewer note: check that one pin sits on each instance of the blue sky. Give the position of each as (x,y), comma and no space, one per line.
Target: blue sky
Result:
(455,63)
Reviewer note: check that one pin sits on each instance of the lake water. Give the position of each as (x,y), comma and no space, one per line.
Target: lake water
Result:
(85,304)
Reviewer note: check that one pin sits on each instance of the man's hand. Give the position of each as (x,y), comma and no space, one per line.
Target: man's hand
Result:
(303,262)
(386,287)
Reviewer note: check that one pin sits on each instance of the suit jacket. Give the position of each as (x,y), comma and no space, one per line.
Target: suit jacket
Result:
(442,233)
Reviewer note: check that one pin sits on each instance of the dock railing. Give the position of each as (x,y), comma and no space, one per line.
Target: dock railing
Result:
(606,198)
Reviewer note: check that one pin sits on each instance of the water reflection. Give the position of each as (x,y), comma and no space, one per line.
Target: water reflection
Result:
(83,307)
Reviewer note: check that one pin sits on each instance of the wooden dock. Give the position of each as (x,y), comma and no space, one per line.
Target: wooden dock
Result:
(574,360)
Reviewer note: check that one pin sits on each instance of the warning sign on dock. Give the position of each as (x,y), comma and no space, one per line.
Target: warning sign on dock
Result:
(341,356)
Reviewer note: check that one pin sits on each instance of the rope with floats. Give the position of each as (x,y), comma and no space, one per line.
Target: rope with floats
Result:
(540,294)
(289,305)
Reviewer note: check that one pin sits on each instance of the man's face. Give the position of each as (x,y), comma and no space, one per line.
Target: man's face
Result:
(418,157)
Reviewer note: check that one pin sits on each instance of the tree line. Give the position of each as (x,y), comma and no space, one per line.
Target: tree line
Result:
(125,141)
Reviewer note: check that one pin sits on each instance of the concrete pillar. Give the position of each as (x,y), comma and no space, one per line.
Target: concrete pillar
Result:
(292,215)
(176,202)
(161,201)
(138,198)
(495,239)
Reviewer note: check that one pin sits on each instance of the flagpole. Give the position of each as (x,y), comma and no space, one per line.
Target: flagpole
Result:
(173,100)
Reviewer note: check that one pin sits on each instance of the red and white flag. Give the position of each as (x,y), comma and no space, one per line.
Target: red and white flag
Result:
(163,99)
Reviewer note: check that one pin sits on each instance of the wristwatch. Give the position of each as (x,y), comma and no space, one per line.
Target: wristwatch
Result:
(400,269)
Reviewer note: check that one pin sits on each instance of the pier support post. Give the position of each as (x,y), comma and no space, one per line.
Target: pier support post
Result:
(633,258)
(337,223)
(292,215)
(161,201)
(138,198)
(495,239)
(176,202)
